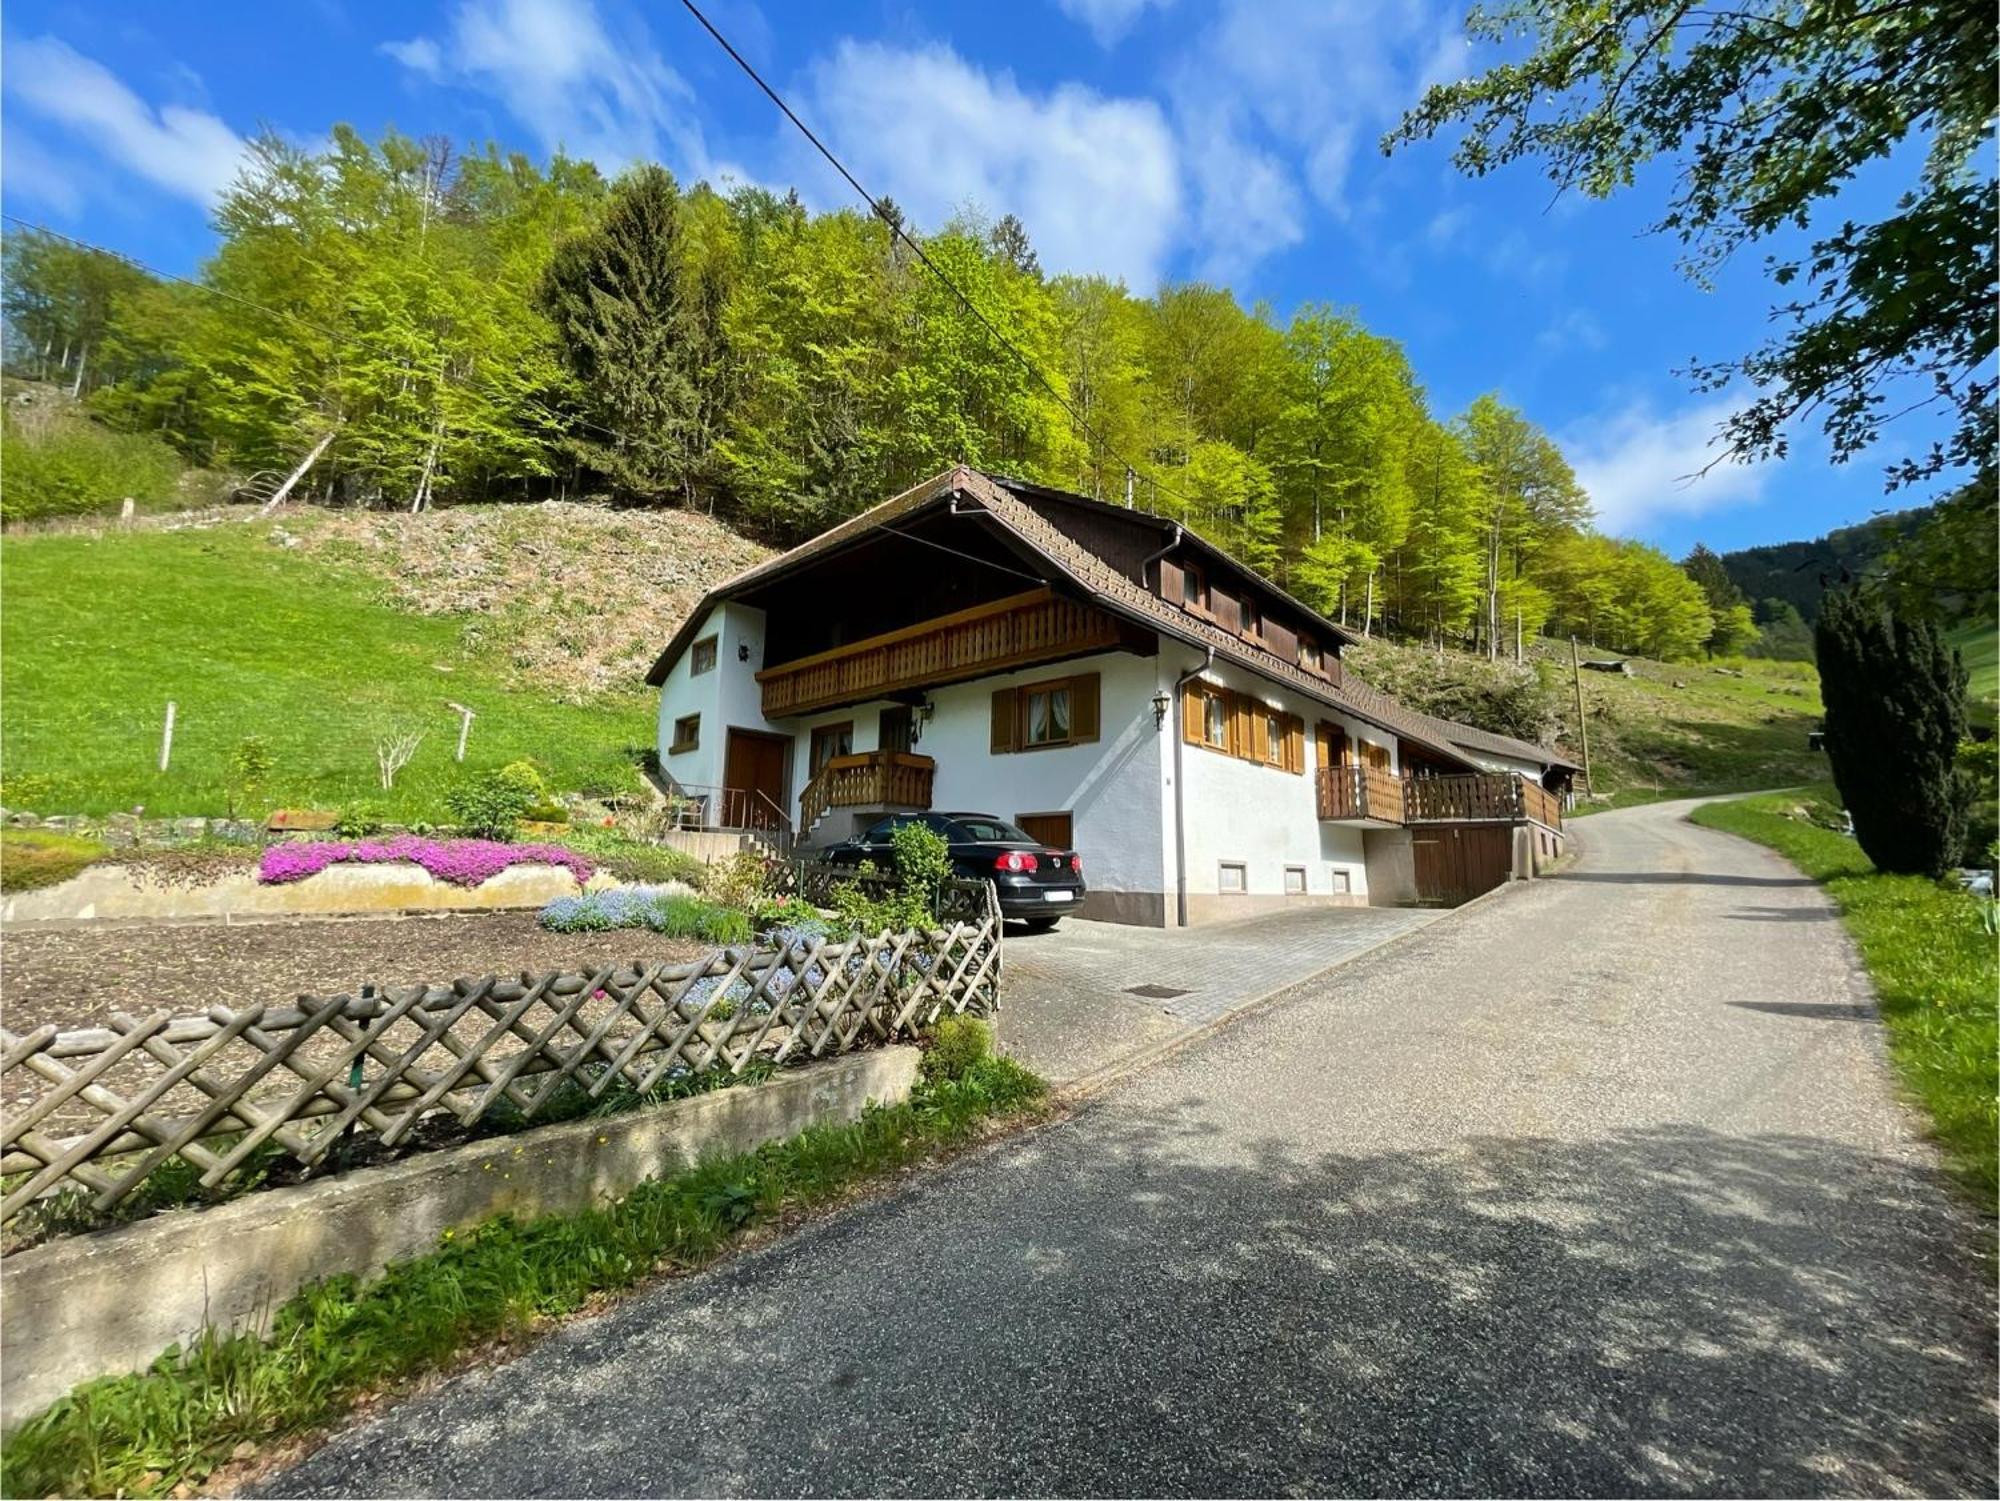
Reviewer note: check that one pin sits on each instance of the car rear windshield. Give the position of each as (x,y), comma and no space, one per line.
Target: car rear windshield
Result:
(991,831)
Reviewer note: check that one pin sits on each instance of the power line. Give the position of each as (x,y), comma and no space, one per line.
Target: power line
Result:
(916,247)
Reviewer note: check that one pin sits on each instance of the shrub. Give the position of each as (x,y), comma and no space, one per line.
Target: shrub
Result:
(546,813)
(743,880)
(785,912)
(77,468)
(34,858)
(956,1045)
(923,864)
(359,819)
(491,803)
(1895,716)
(250,766)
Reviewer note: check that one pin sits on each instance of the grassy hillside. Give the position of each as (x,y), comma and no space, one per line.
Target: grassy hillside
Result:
(1667,730)
(1979,648)
(324,633)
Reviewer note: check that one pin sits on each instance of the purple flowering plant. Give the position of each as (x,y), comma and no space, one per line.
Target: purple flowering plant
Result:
(461,862)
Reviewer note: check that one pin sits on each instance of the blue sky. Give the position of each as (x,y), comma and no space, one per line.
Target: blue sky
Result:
(1231,140)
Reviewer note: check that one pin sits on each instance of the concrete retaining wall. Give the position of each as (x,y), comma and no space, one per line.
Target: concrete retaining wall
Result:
(120,891)
(94,1305)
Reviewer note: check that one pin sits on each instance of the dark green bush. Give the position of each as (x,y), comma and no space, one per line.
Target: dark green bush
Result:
(490,804)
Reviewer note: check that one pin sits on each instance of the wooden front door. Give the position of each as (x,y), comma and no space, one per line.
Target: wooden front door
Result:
(1332,744)
(1057,830)
(754,774)
(1457,862)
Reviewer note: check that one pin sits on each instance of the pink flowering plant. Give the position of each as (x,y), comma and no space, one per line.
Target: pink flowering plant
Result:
(462,862)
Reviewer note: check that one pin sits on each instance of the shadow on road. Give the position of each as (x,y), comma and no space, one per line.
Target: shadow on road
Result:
(1128,1304)
(1677,878)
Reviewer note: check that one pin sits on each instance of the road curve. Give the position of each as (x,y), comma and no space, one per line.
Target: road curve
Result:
(1599,1187)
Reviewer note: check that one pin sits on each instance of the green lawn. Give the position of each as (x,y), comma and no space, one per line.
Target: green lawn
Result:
(1930,949)
(251,639)
(1979,648)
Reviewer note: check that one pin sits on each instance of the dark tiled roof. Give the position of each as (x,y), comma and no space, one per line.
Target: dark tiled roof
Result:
(1114,590)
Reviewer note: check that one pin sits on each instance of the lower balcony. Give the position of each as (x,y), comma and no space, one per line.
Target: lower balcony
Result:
(1371,796)
(1360,794)
(873,779)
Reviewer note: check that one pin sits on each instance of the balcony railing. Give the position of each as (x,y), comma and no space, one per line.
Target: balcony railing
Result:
(1367,794)
(1037,626)
(874,779)
(1360,794)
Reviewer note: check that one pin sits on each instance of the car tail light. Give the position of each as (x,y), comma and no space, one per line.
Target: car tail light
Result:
(1076,862)
(1016,862)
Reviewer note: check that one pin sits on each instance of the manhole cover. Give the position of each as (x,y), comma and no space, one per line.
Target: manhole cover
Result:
(1154,992)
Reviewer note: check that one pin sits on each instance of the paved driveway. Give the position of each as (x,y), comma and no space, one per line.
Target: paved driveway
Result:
(1091,994)
(1598,1188)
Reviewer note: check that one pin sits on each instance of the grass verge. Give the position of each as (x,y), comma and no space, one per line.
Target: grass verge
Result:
(1930,949)
(337,1341)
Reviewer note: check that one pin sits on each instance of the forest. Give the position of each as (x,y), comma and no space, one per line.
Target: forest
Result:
(481,328)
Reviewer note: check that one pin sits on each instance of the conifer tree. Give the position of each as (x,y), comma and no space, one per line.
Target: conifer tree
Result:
(1895,714)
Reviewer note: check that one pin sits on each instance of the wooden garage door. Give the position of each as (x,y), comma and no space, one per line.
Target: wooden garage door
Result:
(1053,829)
(1457,862)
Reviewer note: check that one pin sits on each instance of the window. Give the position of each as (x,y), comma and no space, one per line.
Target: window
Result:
(1274,738)
(703,657)
(1215,720)
(1246,618)
(1233,878)
(828,741)
(1194,587)
(687,734)
(1048,714)
(896,729)
(1343,880)
(1295,880)
(1038,716)
(1309,657)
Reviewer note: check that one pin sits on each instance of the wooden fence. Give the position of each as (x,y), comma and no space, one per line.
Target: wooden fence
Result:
(101,1109)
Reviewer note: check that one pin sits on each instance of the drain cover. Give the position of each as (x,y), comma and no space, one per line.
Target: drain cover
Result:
(1154,992)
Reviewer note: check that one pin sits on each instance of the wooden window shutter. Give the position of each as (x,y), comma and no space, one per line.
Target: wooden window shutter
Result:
(1244,727)
(1194,713)
(1281,641)
(1083,708)
(1170,582)
(1006,720)
(1295,743)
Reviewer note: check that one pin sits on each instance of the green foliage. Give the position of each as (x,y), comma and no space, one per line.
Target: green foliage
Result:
(1895,715)
(77,468)
(785,912)
(1781,632)
(490,804)
(955,1046)
(1930,951)
(923,864)
(359,819)
(637,860)
(670,914)
(743,880)
(250,767)
(1497,696)
(33,858)
(1769,110)
(339,1340)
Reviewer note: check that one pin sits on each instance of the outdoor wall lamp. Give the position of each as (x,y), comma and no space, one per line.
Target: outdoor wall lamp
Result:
(1161,703)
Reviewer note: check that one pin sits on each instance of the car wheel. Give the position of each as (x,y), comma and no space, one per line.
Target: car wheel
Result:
(1041,924)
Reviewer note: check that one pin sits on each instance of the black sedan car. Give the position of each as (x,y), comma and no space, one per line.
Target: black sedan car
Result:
(1036,883)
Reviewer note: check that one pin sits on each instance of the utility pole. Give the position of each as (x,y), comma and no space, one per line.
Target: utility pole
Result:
(1517,635)
(1128,487)
(1582,724)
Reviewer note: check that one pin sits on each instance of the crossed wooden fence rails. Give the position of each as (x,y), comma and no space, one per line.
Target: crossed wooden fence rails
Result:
(303,1075)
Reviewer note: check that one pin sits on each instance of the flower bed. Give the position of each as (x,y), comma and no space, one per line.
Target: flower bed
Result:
(460,862)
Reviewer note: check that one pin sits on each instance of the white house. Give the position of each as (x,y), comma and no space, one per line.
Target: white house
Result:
(1102,677)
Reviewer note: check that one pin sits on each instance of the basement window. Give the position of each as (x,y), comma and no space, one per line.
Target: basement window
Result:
(1343,880)
(687,734)
(1233,879)
(1295,880)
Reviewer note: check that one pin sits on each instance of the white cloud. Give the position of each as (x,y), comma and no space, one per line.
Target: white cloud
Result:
(1640,465)
(561,72)
(187,152)
(1575,329)
(1096,180)
(31,171)
(1108,20)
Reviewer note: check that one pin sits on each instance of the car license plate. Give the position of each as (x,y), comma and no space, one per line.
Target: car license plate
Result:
(1058,896)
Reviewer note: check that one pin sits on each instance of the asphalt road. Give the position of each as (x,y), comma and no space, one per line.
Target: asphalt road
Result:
(1597,1188)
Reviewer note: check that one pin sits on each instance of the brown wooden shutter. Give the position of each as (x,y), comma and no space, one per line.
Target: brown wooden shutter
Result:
(1280,641)
(1295,743)
(1171,586)
(1083,708)
(1006,734)
(1194,713)
(1244,714)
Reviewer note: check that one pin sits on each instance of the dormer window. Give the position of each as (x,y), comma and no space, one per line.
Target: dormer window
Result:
(1309,656)
(1194,587)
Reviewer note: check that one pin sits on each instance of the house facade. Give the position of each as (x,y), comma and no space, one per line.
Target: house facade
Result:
(1105,679)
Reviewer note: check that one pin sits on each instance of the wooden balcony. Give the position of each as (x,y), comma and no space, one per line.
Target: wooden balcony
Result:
(874,779)
(1369,795)
(1483,797)
(1038,626)
(1360,794)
